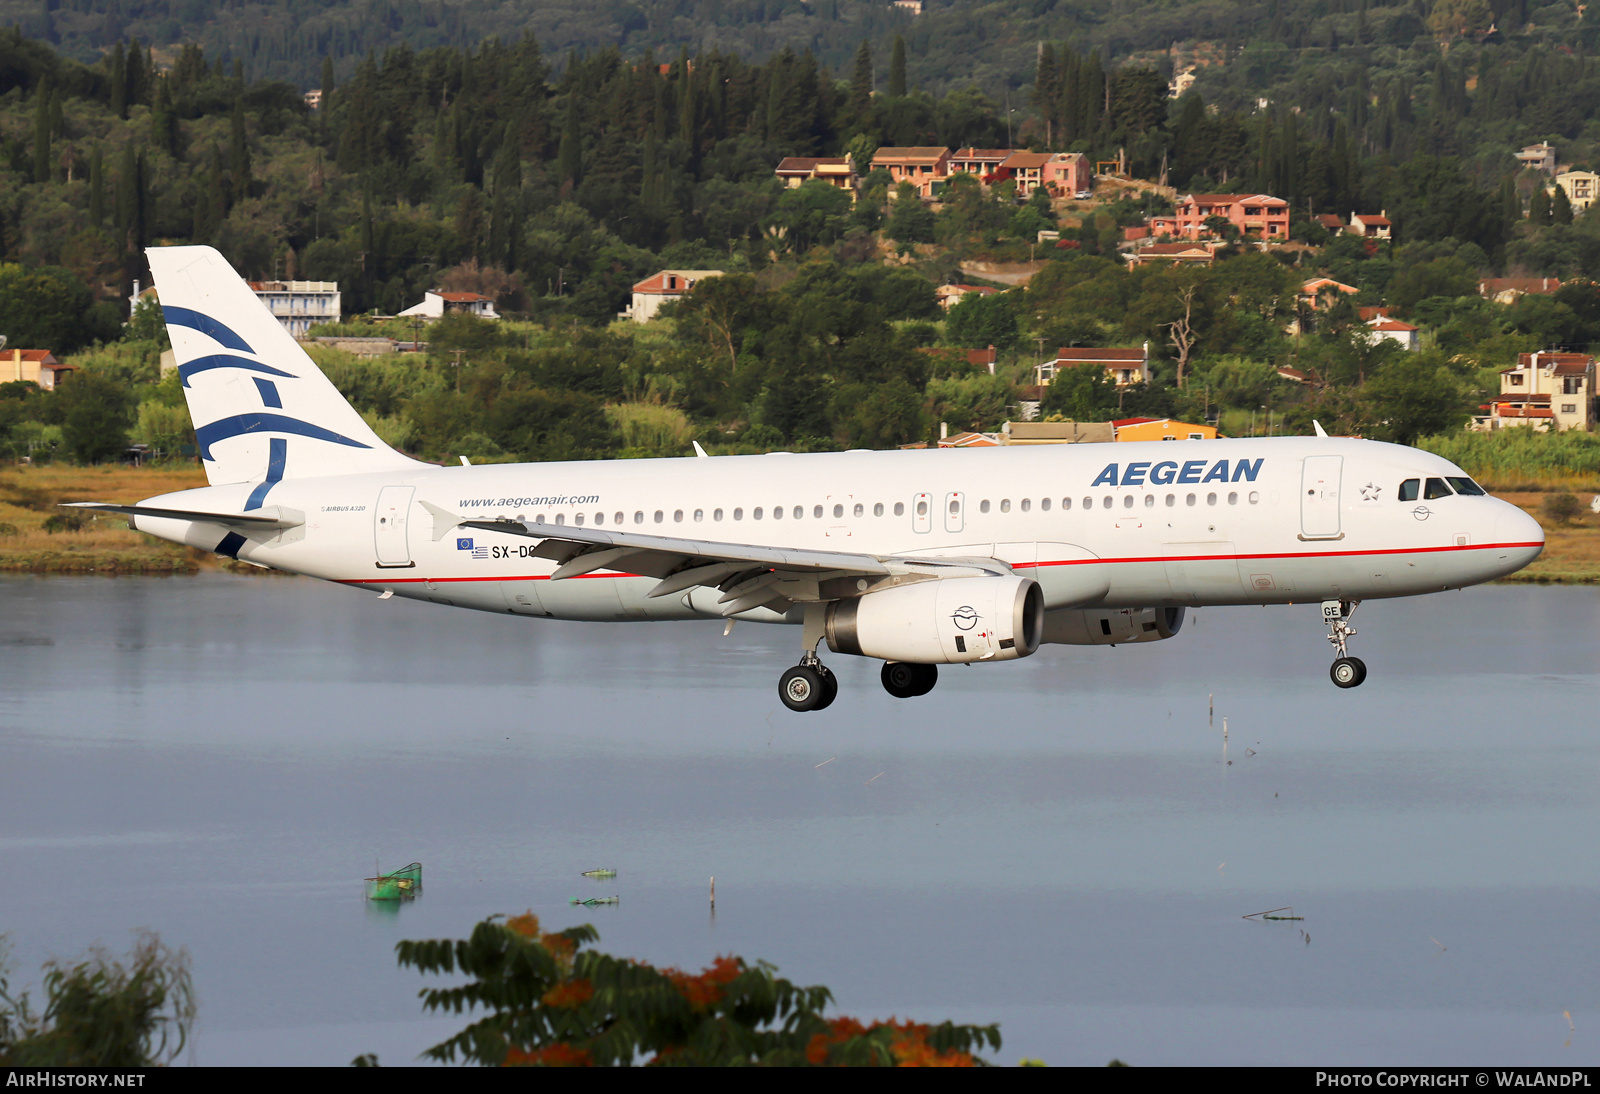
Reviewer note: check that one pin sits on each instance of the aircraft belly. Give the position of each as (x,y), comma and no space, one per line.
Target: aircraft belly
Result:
(589,598)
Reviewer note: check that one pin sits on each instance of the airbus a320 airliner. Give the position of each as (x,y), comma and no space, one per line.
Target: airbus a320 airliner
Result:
(918,559)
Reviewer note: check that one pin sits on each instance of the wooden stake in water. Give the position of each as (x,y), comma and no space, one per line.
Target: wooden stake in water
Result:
(713,892)
(1211,710)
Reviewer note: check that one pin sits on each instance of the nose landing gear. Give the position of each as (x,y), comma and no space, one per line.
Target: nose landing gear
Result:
(1346,671)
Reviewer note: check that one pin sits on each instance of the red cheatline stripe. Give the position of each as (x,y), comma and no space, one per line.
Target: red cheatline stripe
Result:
(1015,565)
(1300,554)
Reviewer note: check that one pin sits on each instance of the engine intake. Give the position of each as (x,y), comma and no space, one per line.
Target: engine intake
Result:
(955,621)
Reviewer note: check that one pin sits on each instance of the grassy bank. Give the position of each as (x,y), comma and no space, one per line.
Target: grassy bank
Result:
(37,536)
(105,544)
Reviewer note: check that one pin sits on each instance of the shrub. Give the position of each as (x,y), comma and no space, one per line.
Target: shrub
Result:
(548,1001)
(1561,508)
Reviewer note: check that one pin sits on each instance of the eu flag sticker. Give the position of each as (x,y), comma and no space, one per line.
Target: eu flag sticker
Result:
(463,544)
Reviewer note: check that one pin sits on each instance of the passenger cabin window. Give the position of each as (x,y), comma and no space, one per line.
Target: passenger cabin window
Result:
(1466,486)
(899,509)
(1408,490)
(983,506)
(1435,488)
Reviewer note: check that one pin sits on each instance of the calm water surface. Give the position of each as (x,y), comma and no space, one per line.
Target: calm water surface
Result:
(1061,845)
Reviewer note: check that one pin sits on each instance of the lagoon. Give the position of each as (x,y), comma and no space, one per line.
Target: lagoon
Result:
(1064,844)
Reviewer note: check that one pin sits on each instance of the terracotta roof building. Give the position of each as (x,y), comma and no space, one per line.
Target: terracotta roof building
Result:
(1371,227)
(1261,216)
(840,172)
(662,288)
(1125,366)
(37,366)
(1545,390)
(921,167)
(1505,290)
(1192,254)
(436,304)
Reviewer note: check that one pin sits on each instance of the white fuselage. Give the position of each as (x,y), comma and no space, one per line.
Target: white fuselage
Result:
(1183,523)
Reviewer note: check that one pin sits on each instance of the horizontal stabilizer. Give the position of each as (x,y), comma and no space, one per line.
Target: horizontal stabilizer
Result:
(270,517)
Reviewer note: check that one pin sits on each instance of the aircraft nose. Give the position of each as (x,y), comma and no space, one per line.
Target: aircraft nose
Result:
(1519,537)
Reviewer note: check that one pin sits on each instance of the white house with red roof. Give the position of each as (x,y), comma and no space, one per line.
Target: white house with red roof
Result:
(1369,226)
(435,305)
(662,288)
(1395,331)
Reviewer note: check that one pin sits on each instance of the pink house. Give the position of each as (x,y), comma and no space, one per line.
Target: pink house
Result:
(1259,215)
(1069,173)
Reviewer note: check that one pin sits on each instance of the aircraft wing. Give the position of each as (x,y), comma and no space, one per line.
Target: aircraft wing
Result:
(749,575)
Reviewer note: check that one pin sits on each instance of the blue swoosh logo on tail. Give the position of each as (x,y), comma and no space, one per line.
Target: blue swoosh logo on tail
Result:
(218,332)
(228,360)
(240,424)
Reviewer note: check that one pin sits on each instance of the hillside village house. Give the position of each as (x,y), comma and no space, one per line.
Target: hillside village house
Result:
(983,162)
(921,167)
(299,305)
(38,366)
(1261,216)
(1540,157)
(950,295)
(1580,187)
(661,288)
(1505,290)
(1124,366)
(435,305)
(1162,429)
(1371,227)
(1316,290)
(1188,254)
(796,171)
(1394,330)
(1545,391)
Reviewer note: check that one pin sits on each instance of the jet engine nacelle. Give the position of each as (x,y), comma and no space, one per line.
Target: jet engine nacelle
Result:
(1110,626)
(954,621)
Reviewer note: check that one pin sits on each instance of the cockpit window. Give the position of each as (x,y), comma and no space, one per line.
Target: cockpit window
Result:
(1408,489)
(1436,488)
(1466,486)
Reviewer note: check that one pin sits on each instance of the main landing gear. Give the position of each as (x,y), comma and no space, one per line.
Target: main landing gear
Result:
(810,685)
(1347,671)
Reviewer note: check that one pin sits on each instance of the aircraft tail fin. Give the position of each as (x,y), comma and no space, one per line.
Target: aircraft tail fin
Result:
(262,409)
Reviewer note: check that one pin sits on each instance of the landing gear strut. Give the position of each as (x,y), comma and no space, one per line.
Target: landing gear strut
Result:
(905,680)
(1347,671)
(810,685)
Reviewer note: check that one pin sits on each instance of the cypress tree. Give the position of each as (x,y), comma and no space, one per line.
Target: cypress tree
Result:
(134,76)
(1560,207)
(164,120)
(897,69)
(127,198)
(119,82)
(861,81)
(1047,89)
(41,133)
(239,152)
(97,190)
(1539,206)
(569,158)
(326,105)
